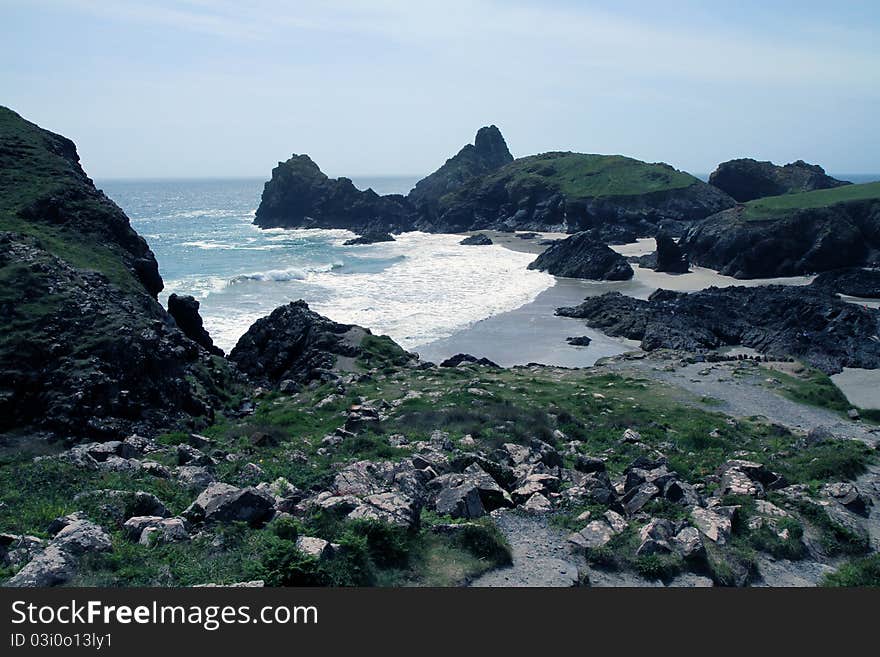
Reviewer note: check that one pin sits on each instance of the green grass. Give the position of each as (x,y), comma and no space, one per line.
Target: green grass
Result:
(858,572)
(772,206)
(517,405)
(579,175)
(815,388)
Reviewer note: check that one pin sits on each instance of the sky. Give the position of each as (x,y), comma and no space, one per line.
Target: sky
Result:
(214,88)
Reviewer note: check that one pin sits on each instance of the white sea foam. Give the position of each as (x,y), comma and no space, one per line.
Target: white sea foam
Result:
(434,288)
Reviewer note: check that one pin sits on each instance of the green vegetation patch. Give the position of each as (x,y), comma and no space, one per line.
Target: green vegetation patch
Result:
(579,175)
(772,206)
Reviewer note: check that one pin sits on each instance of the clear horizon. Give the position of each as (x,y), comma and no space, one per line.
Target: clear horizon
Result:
(192,89)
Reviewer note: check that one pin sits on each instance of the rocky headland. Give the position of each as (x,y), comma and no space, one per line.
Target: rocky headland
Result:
(488,153)
(484,188)
(791,235)
(746,179)
(87,350)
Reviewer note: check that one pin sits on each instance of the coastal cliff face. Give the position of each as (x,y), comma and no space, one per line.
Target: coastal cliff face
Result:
(300,195)
(86,350)
(488,153)
(785,236)
(746,179)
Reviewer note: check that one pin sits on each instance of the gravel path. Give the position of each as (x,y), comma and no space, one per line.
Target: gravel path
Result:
(540,555)
(745,394)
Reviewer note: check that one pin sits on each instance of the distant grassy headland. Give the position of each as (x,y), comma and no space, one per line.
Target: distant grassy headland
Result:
(581,175)
(776,206)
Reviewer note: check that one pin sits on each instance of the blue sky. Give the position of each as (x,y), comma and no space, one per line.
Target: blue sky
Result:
(224,88)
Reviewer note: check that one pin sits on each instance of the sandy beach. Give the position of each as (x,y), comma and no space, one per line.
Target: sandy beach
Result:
(533,333)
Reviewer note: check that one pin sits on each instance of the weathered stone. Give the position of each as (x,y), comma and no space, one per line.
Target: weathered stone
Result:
(636,498)
(315,547)
(714,526)
(537,503)
(687,542)
(221,502)
(848,495)
(50,567)
(596,534)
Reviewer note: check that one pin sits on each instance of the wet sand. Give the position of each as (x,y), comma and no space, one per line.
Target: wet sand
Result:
(861,387)
(534,334)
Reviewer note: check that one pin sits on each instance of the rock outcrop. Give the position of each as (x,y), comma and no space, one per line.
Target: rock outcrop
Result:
(476,240)
(572,192)
(185,311)
(483,187)
(488,153)
(296,345)
(300,195)
(370,237)
(87,350)
(778,320)
(852,281)
(581,256)
(756,242)
(746,179)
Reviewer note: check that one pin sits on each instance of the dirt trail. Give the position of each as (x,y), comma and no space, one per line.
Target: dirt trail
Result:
(744,394)
(540,555)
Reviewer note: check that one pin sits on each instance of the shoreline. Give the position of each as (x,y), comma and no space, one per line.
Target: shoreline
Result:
(533,333)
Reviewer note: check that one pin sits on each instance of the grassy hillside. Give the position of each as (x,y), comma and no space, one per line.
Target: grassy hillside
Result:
(36,165)
(579,175)
(769,207)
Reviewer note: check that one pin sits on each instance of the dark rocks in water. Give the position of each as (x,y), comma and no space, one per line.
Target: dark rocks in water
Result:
(476,240)
(300,195)
(572,192)
(528,236)
(744,243)
(852,281)
(370,237)
(581,256)
(185,311)
(746,179)
(580,341)
(488,152)
(87,350)
(294,343)
(458,359)
(779,320)
(670,257)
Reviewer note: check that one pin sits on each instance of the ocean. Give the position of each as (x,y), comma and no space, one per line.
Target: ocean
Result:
(418,289)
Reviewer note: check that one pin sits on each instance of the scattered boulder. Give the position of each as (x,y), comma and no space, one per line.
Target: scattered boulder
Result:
(581,256)
(713,525)
(476,240)
(221,502)
(315,547)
